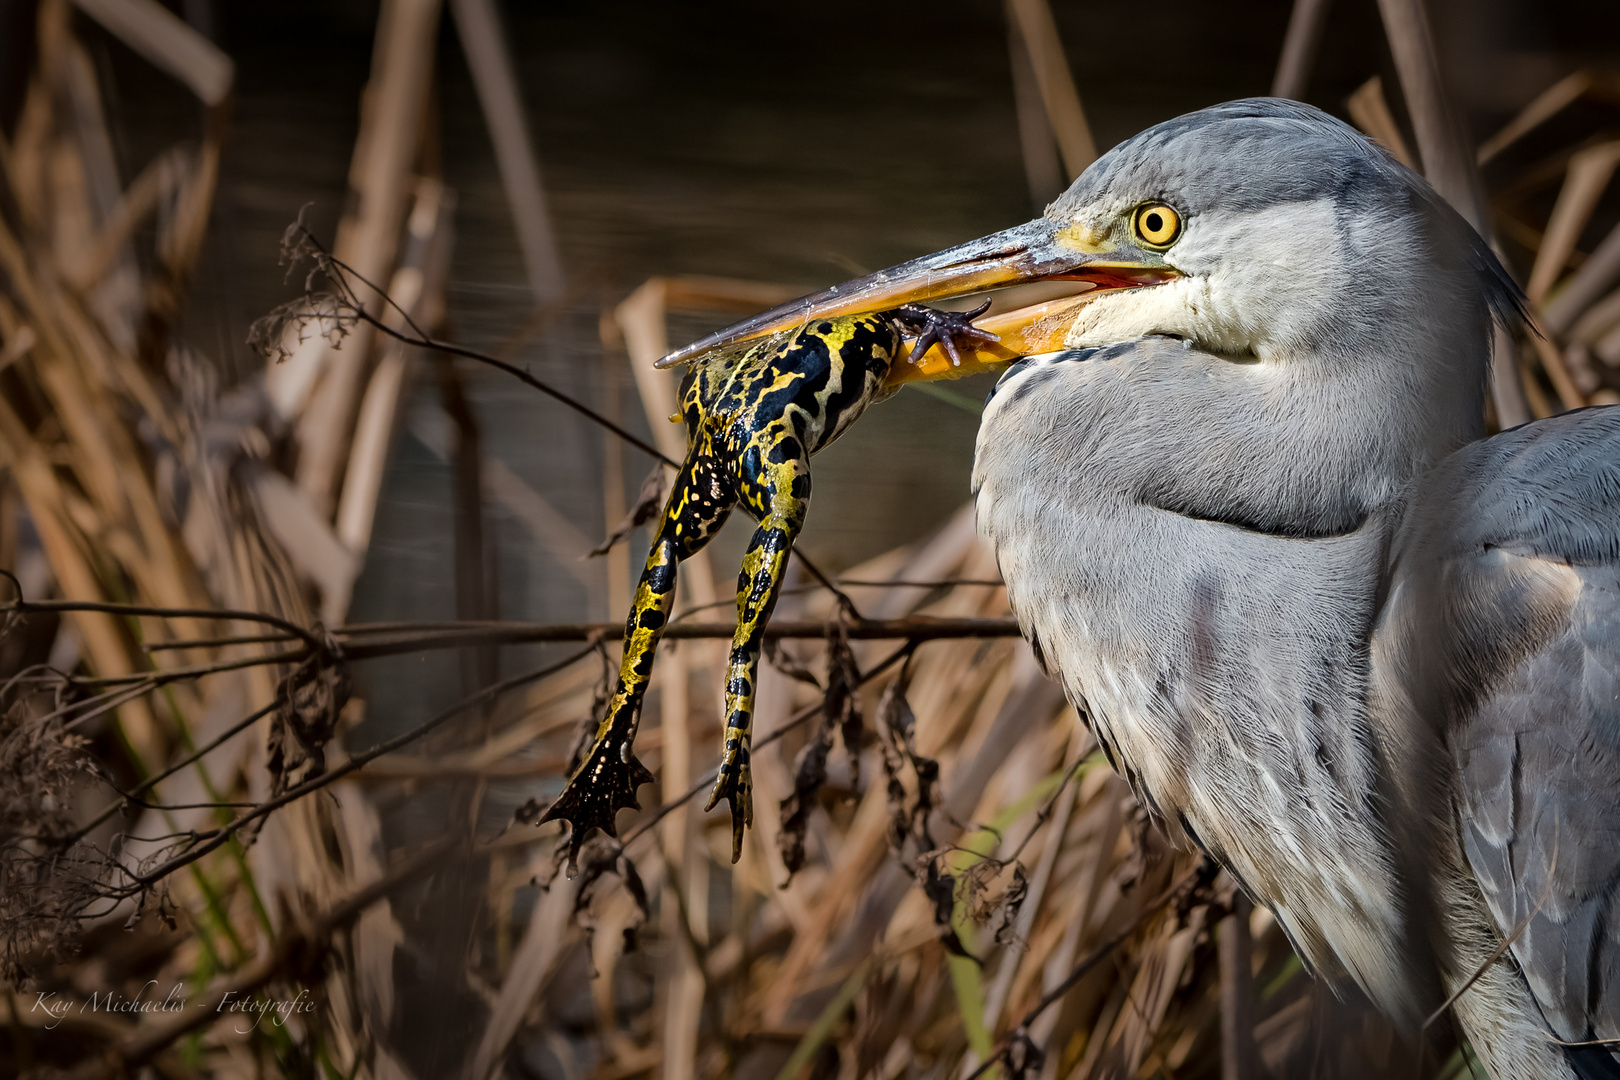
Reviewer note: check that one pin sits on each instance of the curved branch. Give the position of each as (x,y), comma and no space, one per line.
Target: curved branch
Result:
(368,642)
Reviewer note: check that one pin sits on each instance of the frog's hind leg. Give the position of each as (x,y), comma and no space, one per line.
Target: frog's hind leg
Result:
(606,779)
(774,486)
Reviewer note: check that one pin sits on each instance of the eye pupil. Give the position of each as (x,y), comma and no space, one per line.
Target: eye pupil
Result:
(1158,225)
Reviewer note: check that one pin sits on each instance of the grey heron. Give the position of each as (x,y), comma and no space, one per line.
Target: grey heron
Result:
(1365,657)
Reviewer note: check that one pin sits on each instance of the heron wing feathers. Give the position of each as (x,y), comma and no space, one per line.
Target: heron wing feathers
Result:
(1539,765)
(1519,540)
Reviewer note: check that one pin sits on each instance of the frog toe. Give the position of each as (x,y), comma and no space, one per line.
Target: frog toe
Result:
(948,329)
(735,784)
(598,790)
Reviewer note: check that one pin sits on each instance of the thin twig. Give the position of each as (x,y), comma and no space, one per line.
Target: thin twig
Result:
(195,671)
(22,606)
(96,706)
(827,583)
(1583,1042)
(216,643)
(145,785)
(143,804)
(792,590)
(907,583)
(422,339)
(1507,942)
(1045,813)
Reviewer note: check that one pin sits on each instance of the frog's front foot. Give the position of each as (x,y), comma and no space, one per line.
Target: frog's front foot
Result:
(944,328)
(736,785)
(605,784)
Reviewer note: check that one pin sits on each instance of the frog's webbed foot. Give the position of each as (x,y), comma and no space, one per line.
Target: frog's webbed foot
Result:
(944,328)
(605,784)
(735,784)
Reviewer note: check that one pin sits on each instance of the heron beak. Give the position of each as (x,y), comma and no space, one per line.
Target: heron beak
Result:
(1038,251)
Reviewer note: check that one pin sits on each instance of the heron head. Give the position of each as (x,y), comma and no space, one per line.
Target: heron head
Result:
(1270,222)
(1262,229)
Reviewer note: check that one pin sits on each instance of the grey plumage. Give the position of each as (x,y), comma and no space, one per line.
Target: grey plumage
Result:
(1376,681)
(1506,602)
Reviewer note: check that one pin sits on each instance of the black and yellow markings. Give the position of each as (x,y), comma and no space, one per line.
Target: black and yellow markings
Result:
(751,426)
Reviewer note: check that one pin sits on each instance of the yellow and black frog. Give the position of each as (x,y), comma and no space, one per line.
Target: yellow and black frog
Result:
(751,425)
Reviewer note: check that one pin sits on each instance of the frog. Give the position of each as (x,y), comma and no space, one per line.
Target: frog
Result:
(752,424)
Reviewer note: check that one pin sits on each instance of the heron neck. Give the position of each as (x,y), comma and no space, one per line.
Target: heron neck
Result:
(1160,519)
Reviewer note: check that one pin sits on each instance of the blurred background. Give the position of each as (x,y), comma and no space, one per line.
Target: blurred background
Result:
(572,188)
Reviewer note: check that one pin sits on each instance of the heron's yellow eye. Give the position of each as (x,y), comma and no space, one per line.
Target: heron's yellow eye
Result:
(1157,225)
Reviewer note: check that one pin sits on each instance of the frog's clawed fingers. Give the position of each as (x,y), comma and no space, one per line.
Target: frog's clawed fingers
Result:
(598,790)
(735,784)
(944,328)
